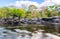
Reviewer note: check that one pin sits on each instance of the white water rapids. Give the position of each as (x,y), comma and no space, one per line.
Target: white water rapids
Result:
(49,36)
(23,34)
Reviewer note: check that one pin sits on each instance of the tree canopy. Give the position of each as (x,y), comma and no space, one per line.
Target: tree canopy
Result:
(31,12)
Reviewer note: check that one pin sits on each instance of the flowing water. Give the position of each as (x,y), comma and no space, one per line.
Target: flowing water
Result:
(7,34)
(20,34)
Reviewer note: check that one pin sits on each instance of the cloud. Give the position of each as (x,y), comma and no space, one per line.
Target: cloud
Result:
(24,3)
(50,2)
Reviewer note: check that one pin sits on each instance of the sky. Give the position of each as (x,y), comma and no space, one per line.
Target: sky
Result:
(8,2)
(18,3)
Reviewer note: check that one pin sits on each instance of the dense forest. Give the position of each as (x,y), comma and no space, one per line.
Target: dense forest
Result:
(31,12)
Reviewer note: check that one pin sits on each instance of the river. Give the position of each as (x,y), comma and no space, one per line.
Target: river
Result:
(20,34)
(8,34)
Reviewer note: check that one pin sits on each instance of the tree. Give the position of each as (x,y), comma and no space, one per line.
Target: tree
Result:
(48,13)
(32,8)
(54,13)
(51,7)
(4,11)
(34,13)
(21,13)
(44,10)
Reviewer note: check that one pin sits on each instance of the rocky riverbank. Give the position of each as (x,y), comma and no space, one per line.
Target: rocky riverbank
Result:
(18,22)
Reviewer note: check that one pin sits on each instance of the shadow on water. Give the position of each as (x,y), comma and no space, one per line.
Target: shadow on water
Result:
(35,27)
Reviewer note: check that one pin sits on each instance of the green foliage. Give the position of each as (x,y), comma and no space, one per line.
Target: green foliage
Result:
(31,12)
(51,7)
(4,12)
(21,12)
(48,13)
